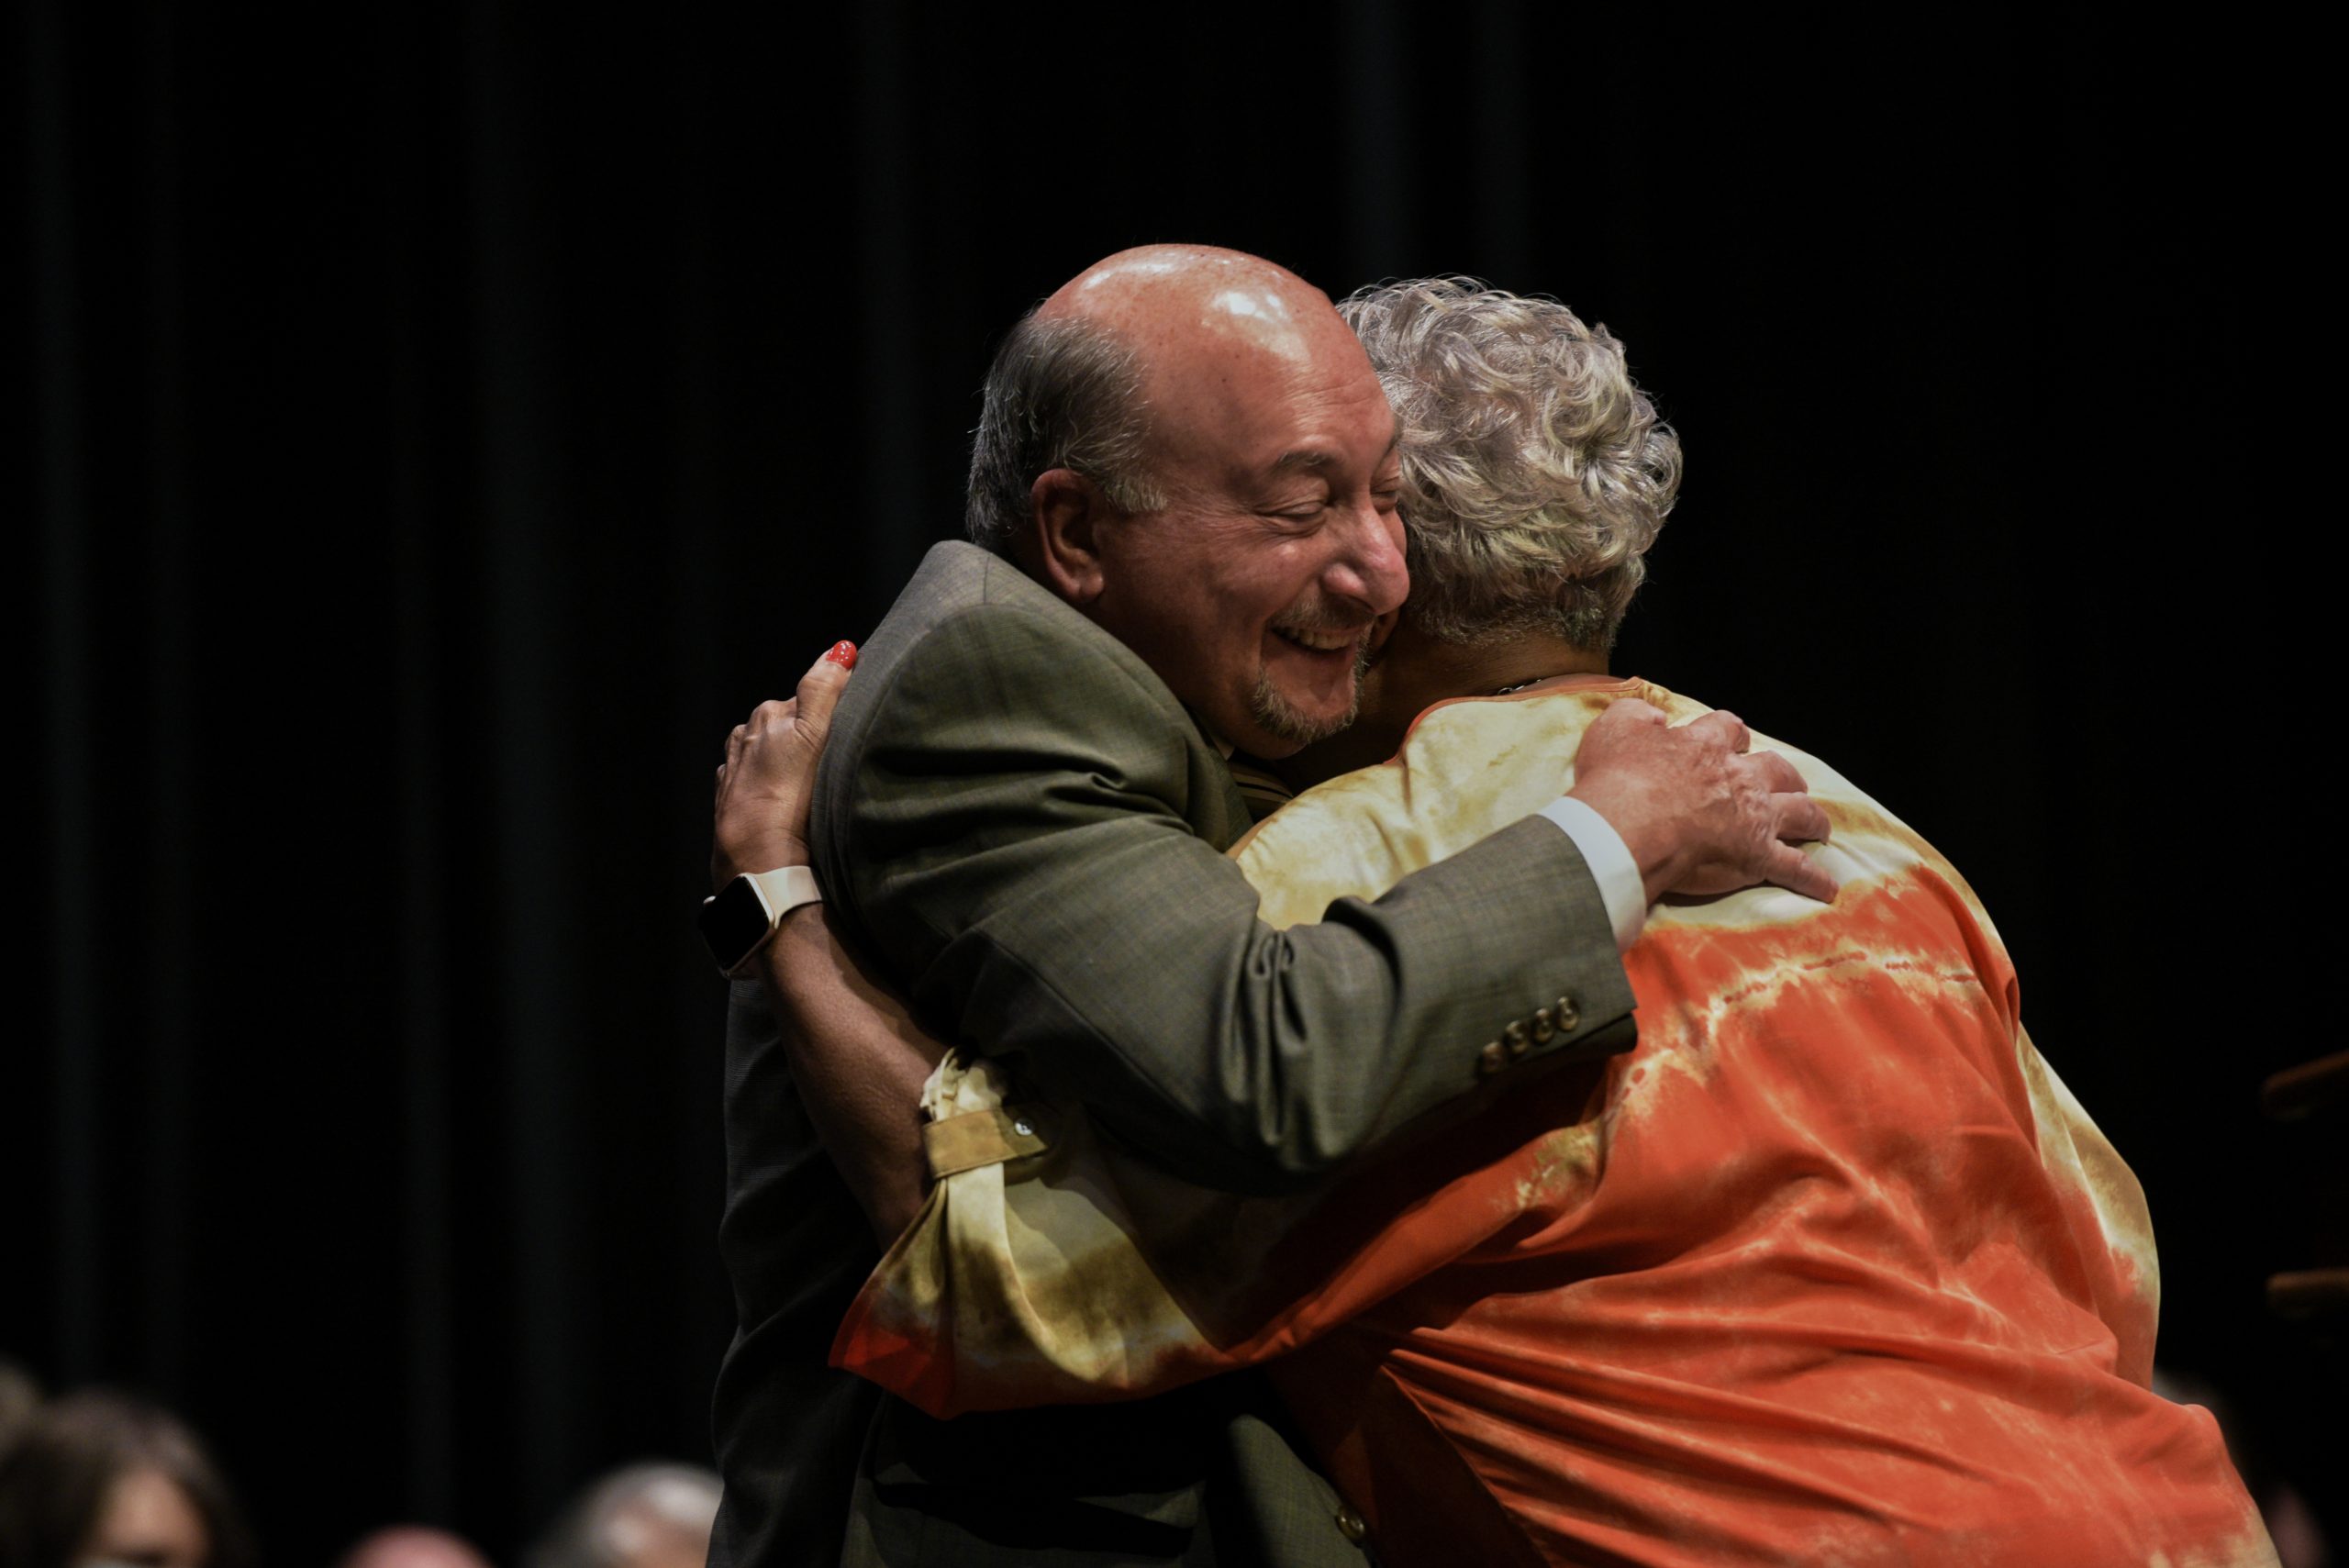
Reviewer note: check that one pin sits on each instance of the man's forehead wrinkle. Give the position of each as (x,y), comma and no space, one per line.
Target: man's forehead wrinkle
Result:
(1315,460)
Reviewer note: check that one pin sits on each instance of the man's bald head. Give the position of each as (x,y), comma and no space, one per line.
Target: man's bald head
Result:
(413,1546)
(645,1515)
(1203,322)
(1188,445)
(1126,356)
(1166,299)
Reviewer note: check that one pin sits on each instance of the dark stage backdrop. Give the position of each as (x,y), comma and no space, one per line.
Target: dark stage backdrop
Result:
(448,423)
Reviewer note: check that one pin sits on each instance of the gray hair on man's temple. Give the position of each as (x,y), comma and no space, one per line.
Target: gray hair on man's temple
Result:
(1062,393)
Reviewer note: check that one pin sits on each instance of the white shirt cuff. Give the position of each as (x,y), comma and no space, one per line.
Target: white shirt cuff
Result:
(1620,887)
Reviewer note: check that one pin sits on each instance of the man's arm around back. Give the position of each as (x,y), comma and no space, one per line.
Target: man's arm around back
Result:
(1027,829)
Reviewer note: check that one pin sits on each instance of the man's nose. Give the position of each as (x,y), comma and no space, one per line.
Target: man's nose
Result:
(1368,567)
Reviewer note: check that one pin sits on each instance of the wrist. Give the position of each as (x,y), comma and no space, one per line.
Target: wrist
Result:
(743,916)
(1613,871)
(1657,854)
(1647,838)
(768,851)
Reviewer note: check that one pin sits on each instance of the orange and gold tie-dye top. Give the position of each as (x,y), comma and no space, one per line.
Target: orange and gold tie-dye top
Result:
(1829,1269)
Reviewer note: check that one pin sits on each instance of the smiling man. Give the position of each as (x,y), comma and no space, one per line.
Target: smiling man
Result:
(1183,502)
(1269,542)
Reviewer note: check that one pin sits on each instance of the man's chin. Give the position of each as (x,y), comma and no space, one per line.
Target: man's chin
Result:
(1295,724)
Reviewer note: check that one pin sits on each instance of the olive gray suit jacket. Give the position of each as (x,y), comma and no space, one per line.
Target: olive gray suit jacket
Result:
(1021,827)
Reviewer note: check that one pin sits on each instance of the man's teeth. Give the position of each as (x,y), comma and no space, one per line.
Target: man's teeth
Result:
(1320,642)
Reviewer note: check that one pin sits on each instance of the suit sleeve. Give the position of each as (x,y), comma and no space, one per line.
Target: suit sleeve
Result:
(1012,828)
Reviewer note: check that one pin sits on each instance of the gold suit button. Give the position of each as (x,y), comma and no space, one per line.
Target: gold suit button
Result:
(1351,1525)
(1517,1039)
(1568,1013)
(1545,1025)
(1492,1058)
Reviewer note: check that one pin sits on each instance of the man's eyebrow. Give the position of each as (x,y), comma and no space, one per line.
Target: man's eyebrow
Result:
(1308,460)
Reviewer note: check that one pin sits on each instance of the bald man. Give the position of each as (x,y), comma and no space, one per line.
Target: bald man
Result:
(1182,505)
(413,1546)
(641,1515)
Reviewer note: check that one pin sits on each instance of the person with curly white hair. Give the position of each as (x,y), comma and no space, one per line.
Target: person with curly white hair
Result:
(1536,475)
(1831,1267)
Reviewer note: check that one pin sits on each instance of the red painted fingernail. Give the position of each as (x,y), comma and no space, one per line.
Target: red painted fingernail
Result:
(842,654)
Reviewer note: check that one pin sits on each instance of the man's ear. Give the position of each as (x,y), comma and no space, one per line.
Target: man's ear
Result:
(1070,511)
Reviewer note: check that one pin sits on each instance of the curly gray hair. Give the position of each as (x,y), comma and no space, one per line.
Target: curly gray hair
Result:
(1062,393)
(1535,474)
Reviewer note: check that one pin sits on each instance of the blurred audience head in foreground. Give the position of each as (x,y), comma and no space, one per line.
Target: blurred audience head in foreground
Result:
(19,1406)
(413,1546)
(646,1516)
(98,1477)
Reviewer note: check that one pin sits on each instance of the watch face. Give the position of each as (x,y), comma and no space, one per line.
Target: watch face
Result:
(734,923)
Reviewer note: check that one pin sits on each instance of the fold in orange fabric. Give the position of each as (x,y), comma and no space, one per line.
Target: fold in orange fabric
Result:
(1831,1268)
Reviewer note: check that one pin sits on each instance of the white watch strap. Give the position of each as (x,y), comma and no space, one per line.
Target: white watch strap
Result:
(785,889)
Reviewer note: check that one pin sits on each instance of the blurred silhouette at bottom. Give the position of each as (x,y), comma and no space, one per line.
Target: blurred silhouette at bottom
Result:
(103,1477)
(2292,1524)
(646,1516)
(413,1546)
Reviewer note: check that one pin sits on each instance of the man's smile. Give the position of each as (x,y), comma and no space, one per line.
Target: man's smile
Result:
(1321,642)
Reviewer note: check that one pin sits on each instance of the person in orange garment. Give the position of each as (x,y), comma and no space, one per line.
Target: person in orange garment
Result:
(1830,1268)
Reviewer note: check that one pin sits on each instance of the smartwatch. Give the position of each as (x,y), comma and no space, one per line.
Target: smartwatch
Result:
(737,920)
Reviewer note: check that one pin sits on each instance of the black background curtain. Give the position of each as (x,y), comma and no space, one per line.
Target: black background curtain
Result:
(447,423)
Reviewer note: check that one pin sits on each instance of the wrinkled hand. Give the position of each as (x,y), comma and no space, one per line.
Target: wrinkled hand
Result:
(1700,813)
(769,775)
